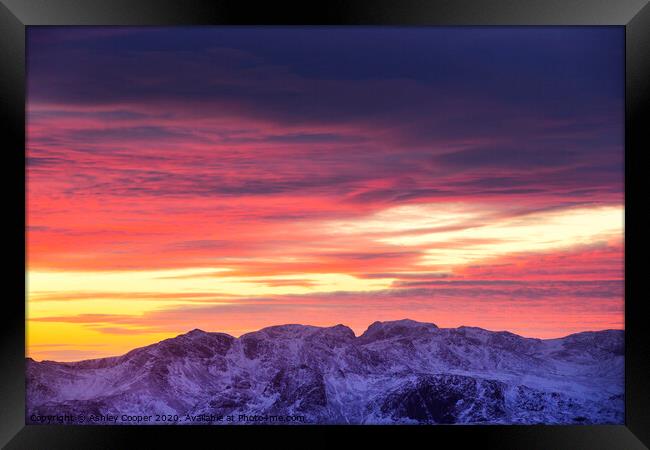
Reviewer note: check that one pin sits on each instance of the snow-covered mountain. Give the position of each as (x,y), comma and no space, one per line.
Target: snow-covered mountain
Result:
(395,372)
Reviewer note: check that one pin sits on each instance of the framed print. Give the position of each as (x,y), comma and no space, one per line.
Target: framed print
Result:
(287,222)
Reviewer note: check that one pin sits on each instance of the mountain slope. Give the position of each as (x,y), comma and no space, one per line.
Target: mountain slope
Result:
(395,372)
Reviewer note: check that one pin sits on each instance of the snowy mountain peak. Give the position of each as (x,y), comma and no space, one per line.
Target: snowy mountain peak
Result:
(339,330)
(288,331)
(292,331)
(397,329)
(193,334)
(196,332)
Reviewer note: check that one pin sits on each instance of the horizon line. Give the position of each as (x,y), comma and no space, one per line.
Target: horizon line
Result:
(322,327)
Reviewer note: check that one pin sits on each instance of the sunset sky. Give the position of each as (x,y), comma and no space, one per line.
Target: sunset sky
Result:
(230,179)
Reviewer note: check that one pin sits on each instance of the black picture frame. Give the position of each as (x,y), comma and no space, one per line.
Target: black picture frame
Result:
(16,15)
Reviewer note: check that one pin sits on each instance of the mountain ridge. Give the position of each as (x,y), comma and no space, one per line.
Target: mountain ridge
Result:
(395,372)
(198,330)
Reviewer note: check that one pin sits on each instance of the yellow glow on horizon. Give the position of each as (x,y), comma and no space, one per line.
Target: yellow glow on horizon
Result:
(94,305)
(46,284)
(72,342)
(69,294)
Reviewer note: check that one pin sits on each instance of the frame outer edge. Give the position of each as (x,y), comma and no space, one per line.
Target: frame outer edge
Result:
(362,12)
(15,14)
(12,114)
(637,345)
